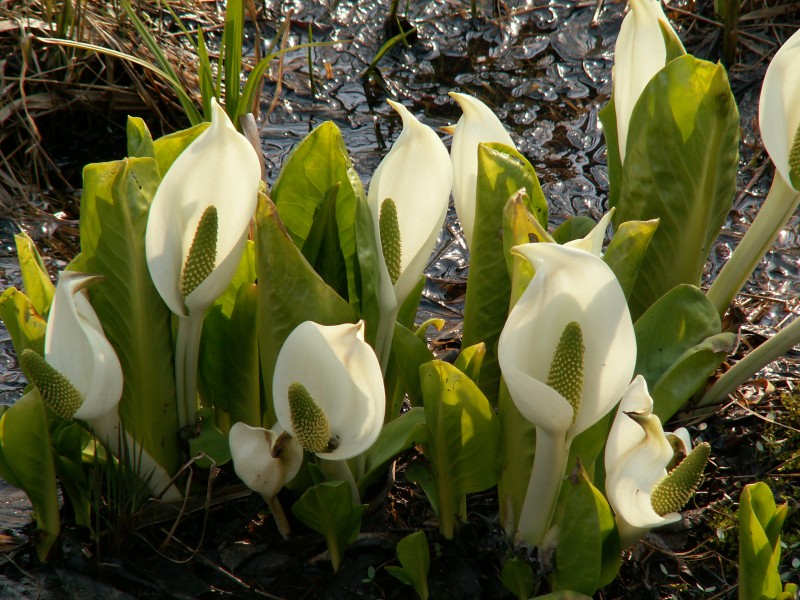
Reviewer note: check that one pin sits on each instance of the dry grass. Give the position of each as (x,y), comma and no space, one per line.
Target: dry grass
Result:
(46,87)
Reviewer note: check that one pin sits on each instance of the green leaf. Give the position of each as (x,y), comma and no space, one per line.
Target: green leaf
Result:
(517,577)
(627,249)
(421,473)
(69,441)
(563,595)
(140,141)
(26,462)
(415,558)
(410,353)
(689,373)
(681,167)
(470,360)
(585,523)
(35,279)
(114,206)
(327,508)
(211,442)
(681,319)
(23,323)
(321,248)
(242,373)
(397,435)
(608,118)
(502,172)
(463,438)
(317,168)
(759,559)
(293,292)
(574,228)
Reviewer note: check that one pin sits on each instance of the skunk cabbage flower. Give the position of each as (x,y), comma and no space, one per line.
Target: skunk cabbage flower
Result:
(328,390)
(639,54)
(80,376)
(196,232)
(408,197)
(200,216)
(779,111)
(477,125)
(85,376)
(567,352)
(572,317)
(650,475)
(265,461)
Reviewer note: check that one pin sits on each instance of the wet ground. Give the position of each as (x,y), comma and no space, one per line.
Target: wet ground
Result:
(544,67)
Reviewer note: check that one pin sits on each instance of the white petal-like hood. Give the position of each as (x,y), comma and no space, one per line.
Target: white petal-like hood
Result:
(477,125)
(416,175)
(254,463)
(569,285)
(637,454)
(219,168)
(76,347)
(342,374)
(639,54)
(779,107)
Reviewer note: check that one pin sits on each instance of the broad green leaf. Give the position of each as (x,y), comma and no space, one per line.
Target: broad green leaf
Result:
(502,172)
(35,279)
(608,118)
(369,272)
(759,559)
(574,228)
(241,358)
(245,275)
(167,148)
(627,249)
(410,353)
(210,442)
(327,508)
(415,558)
(317,167)
(212,378)
(517,577)
(680,166)
(470,359)
(291,292)
(463,438)
(27,463)
(140,141)
(69,441)
(681,319)
(584,522)
(408,309)
(421,473)
(397,435)
(688,374)
(321,248)
(114,206)
(23,323)
(517,443)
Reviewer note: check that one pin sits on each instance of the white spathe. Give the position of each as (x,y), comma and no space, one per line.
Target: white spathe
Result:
(570,285)
(637,454)
(254,458)
(417,176)
(76,347)
(477,125)
(219,168)
(342,374)
(779,107)
(640,53)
